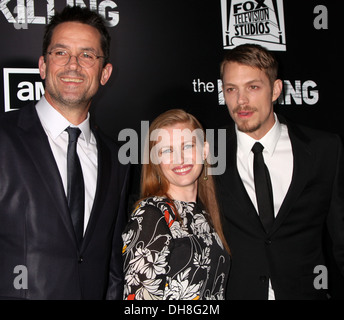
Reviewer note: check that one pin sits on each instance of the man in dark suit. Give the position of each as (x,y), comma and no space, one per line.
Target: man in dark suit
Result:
(276,234)
(56,244)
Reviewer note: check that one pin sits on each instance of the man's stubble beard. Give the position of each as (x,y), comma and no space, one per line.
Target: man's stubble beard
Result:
(244,125)
(67,101)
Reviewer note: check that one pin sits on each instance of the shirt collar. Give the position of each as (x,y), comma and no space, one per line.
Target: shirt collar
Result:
(269,141)
(55,123)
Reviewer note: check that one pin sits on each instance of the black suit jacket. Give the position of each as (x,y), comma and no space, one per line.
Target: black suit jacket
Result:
(294,247)
(35,225)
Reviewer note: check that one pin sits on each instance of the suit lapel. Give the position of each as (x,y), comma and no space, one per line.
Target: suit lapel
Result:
(36,144)
(236,186)
(103,178)
(303,166)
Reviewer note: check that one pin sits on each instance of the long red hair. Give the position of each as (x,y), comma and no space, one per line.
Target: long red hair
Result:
(154,183)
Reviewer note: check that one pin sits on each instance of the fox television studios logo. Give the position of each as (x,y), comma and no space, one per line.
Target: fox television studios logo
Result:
(262,22)
(257,21)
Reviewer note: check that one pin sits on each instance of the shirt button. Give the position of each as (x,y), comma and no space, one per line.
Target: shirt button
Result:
(263,279)
(81,259)
(268,242)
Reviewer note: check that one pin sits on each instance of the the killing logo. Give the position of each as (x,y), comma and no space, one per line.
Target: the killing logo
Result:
(259,21)
(23,13)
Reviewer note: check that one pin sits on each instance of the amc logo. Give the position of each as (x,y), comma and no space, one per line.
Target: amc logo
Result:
(21,85)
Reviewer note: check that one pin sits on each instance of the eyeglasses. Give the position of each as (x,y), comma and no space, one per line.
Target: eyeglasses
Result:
(85,59)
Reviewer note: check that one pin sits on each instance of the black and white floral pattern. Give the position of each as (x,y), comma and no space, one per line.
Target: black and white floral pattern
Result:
(166,259)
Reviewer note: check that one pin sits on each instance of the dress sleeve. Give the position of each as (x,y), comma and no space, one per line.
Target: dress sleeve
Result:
(147,242)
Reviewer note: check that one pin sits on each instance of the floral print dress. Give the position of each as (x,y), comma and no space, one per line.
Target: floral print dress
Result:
(169,260)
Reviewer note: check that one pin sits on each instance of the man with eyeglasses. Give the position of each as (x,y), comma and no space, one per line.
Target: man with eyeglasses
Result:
(62,189)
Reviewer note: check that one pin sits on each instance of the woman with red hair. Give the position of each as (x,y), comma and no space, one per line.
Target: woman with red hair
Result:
(174,246)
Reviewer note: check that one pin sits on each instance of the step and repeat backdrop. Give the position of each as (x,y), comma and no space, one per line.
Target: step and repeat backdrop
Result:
(166,54)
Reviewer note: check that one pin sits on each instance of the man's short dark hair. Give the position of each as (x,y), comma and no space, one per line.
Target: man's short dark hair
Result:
(255,56)
(82,15)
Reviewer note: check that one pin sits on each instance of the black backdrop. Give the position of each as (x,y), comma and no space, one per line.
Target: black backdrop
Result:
(166,54)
